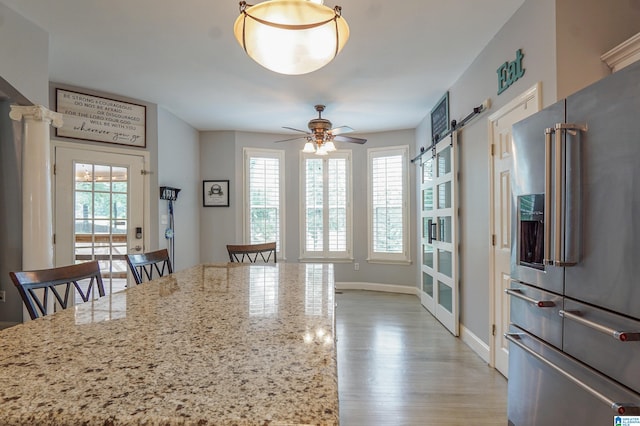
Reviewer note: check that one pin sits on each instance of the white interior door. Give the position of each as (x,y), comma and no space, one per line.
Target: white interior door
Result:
(500,137)
(99,206)
(439,234)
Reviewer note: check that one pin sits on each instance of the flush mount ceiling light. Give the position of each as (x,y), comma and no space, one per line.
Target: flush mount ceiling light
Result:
(291,36)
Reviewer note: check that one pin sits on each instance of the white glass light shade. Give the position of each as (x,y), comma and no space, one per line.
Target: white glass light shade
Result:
(291,36)
(329,146)
(308,147)
(321,150)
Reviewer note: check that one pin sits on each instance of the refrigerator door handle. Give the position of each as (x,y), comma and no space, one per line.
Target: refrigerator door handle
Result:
(568,163)
(516,292)
(546,260)
(619,407)
(558,223)
(622,336)
(564,190)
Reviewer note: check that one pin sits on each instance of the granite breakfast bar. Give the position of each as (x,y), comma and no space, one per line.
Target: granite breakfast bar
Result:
(217,344)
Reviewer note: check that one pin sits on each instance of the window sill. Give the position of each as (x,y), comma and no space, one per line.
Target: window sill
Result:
(389,262)
(324,260)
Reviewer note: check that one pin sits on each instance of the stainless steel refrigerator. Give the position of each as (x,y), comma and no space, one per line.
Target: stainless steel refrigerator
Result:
(574,352)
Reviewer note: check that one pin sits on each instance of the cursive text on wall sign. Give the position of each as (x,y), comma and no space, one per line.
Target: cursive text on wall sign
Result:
(99,119)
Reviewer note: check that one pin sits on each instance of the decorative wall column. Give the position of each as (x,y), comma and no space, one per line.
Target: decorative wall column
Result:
(37,205)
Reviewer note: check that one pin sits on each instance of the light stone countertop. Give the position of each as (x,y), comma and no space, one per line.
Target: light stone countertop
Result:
(218,344)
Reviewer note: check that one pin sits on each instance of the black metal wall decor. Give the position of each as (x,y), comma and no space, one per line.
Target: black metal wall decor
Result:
(169,193)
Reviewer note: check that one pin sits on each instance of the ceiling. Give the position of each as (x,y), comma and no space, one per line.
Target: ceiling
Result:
(402,56)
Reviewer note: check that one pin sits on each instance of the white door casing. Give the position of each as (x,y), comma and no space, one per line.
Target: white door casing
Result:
(500,147)
(82,231)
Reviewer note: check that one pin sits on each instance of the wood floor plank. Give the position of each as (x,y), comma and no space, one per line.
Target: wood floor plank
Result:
(399,366)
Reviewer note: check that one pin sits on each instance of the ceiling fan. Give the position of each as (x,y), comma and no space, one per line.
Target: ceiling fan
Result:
(321,135)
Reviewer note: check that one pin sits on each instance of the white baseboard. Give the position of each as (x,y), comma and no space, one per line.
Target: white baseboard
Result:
(388,288)
(474,342)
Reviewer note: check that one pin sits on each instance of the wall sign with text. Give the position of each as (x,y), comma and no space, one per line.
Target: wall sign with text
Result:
(440,119)
(99,119)
(510,72)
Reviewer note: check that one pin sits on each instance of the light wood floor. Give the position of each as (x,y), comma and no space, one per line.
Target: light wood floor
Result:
(398,366)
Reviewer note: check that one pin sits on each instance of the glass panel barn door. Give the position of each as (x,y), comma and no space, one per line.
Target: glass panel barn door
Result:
(438,188)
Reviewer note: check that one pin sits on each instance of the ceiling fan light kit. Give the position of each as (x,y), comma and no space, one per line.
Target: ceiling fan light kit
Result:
(321,150)
(309,148)
(291,36)
(329,146)
(321,135)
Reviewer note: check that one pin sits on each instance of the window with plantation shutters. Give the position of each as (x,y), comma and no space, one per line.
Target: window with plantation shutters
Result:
(388,205)
(264,197)
(326,216)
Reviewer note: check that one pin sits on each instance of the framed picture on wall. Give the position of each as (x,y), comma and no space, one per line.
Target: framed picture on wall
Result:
(215,193)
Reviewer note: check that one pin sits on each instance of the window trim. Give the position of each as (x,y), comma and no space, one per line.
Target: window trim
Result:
(326,255)
(390,258)
(249,153)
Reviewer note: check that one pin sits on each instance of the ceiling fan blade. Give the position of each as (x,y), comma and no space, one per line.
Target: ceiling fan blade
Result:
(296,130)
(340,130)
(349,139)
(292,139)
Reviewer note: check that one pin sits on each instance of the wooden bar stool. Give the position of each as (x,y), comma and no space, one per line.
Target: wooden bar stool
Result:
(252,252)
(51,280)
(144,265)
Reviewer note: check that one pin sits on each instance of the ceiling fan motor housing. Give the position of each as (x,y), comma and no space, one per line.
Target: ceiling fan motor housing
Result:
(320,127)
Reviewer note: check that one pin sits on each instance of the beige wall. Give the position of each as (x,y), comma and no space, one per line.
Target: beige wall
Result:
(218,224)
(585,30)
(24,49)
(178,160)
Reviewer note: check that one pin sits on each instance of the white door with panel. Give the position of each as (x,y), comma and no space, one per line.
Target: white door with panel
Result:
(99,211)
(500,124)
(439,217)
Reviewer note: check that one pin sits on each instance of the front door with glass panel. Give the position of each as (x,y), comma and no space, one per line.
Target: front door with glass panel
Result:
(99,211)
(439,291)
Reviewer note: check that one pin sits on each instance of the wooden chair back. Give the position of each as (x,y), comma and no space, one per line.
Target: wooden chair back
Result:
(252,252)
(53,281)
(147,265)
